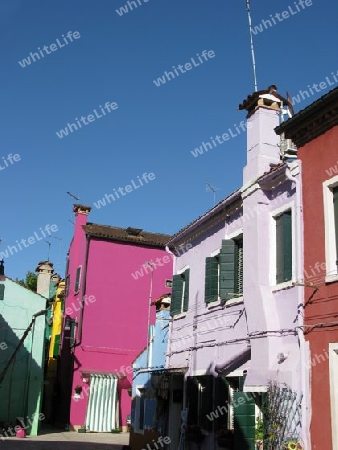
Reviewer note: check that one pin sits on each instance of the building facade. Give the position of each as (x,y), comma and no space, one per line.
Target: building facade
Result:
(235,345)
(149,406)
(315,132)
(111,275)
(22,343)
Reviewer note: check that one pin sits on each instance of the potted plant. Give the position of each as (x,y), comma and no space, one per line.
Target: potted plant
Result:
(82,429)
(116,430)
(259,434)
(225,438)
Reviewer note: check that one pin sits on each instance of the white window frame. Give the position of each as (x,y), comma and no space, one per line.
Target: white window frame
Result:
(330,230)
(273,246)
(333,371)
(182,313)
(137,409)
(80,280)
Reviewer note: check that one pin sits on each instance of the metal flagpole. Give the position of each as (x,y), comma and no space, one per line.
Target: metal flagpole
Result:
(251,44)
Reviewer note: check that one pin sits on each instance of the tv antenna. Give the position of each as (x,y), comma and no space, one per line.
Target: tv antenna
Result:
(49,244)
(251,44)
(213,189)
(72,195)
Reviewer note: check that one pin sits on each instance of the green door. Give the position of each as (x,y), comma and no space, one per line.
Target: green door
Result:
(244,421)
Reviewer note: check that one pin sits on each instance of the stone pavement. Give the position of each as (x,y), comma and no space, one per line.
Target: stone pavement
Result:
(67,440)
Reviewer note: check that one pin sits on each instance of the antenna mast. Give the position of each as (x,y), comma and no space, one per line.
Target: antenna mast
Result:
(213,189)
(251,44)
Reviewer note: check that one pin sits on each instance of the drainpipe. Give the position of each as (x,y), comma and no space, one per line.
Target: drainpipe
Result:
(171,322)
(83,290)
(299,277)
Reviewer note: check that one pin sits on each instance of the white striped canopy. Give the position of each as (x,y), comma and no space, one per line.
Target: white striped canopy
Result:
(103,405)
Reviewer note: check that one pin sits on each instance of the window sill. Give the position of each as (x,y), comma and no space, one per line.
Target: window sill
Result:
(213,304)
(234,301)
(331,278)
(180,316)
(281,286)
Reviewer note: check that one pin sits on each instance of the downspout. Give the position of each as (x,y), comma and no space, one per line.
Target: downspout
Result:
(171,321)
(300,316)
(83,290)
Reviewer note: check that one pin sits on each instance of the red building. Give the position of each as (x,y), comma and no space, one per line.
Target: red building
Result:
(314,130)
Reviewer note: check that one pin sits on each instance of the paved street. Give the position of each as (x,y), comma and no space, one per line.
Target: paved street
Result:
(68,441)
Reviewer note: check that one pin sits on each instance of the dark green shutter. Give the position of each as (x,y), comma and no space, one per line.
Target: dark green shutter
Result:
(211,279)
(176,295)
(186,290)
(228,269)
(239,267)
(335,206)
(56,346)
(244,421)
(284,247)
(2,291)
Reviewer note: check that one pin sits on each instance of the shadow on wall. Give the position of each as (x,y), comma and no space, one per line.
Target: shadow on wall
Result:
(21,387)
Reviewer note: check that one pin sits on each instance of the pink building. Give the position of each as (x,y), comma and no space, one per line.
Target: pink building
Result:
(112,276)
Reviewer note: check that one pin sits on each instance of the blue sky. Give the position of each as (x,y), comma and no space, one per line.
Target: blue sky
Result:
(154,129)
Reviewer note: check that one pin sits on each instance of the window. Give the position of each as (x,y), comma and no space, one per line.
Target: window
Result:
(77,279)
(180,293)
(224,272)
(331,227)
(139,409)
(335,212)
(67,286)
(283,247)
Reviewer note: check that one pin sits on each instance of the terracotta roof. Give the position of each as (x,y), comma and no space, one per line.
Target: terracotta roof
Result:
(107,232)
(314,120)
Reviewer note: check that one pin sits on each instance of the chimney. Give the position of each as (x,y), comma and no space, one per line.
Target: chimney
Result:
(263,108)
(81,212)
(45,271)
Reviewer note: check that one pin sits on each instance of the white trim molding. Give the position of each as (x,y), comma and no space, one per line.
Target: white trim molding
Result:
(333,363)
(330,235)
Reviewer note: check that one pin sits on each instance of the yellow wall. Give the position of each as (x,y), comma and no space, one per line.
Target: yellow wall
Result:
(57,317)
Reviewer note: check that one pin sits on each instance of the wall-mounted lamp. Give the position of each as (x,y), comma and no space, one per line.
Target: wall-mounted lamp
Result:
(85,378)
(281,357)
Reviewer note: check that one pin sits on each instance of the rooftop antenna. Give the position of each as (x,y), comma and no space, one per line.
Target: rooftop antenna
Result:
(211,188)
(251,44)
(49,244)
(72,195)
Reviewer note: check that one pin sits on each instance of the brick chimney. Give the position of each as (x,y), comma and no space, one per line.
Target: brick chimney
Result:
(263,108)
(45,271)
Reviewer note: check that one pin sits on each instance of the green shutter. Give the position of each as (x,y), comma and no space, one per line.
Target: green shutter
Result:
(239,267)
(287,223)
(186,290)
(2,291)
(244,420)
(56,346)
(176,295)
(284,247)
(335,206)
(211,279)
(228,269)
